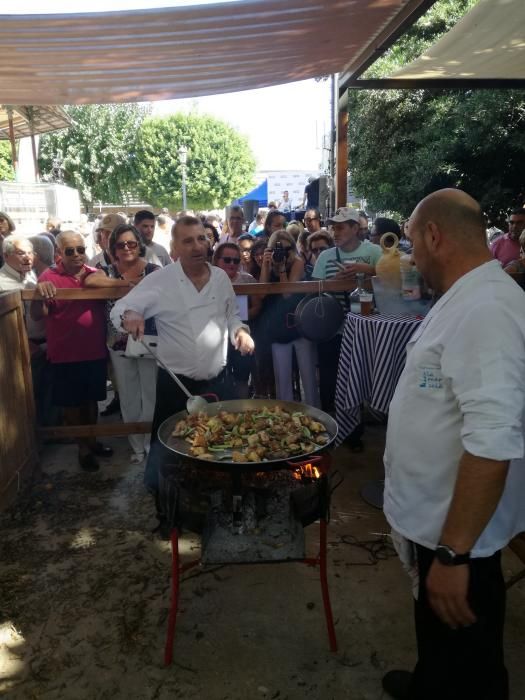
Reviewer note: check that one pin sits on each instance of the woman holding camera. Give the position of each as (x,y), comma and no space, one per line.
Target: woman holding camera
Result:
(281,263)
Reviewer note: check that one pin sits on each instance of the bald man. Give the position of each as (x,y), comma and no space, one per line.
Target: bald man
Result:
(455,474)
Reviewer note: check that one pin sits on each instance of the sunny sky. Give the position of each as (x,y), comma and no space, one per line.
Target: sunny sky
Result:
(284,124)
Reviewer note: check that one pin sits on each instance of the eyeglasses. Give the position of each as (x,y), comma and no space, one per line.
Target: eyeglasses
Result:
(319,249)
(126,244)
(307,219)
(80,249)
(229,260)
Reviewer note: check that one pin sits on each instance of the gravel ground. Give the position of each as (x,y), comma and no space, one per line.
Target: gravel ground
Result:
(84,592)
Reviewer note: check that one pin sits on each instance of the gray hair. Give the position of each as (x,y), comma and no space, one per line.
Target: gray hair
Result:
(9,243)
(45,250)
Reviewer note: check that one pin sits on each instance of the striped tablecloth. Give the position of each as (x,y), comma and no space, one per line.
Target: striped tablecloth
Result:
(373,353)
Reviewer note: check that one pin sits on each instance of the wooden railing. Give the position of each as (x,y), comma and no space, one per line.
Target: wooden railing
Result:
(255,289)
(120,428)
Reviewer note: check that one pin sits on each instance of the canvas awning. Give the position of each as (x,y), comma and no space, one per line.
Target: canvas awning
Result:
(487,43)
(259,194)
(485,49)
(28,120)
(186,51)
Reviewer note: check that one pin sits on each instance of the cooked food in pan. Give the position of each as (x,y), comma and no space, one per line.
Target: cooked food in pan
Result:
(252,436)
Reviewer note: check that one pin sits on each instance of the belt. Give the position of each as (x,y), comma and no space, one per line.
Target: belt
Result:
(183,378)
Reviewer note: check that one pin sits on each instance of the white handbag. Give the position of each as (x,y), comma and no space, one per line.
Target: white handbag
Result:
(135,348)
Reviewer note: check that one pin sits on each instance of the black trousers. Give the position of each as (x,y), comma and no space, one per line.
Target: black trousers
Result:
(466,663)
(328,354)
(171,399)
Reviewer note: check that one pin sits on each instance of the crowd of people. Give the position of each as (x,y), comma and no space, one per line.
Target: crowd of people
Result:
(454,446)
(125,250)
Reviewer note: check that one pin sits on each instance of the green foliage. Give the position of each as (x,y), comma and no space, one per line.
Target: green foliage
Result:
(98,151)
(404,144)
(220,165)
(6,164)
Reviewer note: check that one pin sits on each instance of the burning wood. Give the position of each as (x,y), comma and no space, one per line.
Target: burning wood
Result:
(306,472)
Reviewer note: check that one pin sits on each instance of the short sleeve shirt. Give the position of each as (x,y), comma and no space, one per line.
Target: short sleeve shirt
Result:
(76,330)
(326,265)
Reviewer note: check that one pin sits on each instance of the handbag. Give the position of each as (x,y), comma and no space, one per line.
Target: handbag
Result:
(135,348)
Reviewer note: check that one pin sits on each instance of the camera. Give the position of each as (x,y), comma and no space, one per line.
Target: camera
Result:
(279,253)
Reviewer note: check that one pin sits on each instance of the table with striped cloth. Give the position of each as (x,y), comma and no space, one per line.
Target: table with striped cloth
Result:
(373,354)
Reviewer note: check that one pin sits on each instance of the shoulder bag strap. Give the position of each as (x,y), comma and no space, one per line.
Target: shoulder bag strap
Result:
(347,296)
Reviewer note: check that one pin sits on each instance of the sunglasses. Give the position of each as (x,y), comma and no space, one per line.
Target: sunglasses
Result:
(80,249)
(320,249)
(229,260)
(126,244)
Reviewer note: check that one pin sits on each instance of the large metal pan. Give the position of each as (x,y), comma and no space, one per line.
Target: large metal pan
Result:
(182,448)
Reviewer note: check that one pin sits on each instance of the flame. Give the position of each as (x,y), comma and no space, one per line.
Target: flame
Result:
(306,471)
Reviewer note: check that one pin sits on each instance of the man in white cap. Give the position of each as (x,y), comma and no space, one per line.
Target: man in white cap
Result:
(350,256)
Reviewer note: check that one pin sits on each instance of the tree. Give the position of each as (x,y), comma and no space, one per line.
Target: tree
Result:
(98,151)
(220,165)
(405,144)
(6,164)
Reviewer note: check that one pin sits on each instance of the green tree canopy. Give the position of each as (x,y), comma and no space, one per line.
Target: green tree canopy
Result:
(404,144)
(98,151)
(6,164)
(220,164)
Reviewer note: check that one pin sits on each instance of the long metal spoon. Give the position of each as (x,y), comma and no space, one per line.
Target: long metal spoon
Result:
(194,404)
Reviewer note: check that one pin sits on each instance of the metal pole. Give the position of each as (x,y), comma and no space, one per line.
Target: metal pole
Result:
(12,139)
(184,186)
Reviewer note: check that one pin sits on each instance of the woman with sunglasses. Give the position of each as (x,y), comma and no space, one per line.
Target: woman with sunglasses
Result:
(318,242)
(136,376)
(228,257)
(281,263)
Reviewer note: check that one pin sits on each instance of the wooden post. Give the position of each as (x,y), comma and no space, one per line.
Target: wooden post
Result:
(342,157)
(12,139)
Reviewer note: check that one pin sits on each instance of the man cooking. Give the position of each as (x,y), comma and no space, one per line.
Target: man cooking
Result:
(195,311)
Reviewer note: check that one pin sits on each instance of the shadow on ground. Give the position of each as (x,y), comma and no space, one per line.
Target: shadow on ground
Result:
(85,585)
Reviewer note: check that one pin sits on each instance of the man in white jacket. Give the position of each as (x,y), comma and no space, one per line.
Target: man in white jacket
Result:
(455,474)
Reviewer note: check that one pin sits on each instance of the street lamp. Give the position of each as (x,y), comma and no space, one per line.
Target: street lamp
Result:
(183,156)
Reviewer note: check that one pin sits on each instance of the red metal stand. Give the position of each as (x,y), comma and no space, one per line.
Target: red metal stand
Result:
(177,571)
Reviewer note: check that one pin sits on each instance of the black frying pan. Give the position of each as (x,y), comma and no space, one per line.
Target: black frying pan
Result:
(182,448)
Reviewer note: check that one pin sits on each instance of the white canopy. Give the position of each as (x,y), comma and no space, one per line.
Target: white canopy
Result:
(488,43)
(184,51)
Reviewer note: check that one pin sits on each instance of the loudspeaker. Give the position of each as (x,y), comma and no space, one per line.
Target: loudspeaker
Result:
(250,208)
(324,195)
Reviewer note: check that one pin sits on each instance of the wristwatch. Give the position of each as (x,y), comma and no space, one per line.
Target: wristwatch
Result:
(448,557)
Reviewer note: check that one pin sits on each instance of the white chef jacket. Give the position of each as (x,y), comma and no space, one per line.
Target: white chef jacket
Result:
(462,389)
(193,326)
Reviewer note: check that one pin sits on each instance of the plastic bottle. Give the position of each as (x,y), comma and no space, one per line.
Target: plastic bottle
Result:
(410,278)
(366,297)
